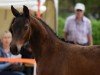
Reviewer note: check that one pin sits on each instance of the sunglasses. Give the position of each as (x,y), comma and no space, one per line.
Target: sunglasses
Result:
(78,10)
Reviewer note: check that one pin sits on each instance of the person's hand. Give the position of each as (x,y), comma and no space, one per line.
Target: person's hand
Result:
(16,56)
(15,67)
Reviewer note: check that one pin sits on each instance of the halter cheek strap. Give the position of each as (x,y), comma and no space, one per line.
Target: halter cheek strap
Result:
(28,32)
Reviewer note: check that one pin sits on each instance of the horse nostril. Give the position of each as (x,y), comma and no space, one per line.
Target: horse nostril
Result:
(14,49)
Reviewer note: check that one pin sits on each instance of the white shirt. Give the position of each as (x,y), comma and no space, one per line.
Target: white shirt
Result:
(77,31)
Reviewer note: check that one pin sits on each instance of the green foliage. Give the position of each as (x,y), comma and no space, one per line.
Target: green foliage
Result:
(95,29)
(61,24)
(92,6)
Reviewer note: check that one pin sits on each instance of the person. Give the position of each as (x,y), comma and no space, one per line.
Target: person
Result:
(78,28)
(5,67)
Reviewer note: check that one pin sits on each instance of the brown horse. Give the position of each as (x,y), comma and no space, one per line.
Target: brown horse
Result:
(53,56)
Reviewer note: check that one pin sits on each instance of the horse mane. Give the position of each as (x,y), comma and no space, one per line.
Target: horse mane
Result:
(49,29)
(47,26)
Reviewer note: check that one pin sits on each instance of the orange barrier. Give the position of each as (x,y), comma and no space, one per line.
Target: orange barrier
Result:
(20,60)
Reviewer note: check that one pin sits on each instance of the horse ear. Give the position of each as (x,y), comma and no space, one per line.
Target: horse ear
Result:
(26,11)
(15,12)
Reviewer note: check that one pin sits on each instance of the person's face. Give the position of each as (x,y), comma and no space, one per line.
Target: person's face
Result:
(6,39)
(79,13)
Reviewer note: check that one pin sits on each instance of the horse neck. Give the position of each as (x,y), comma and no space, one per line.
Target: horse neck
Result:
(42,41)
(49,30)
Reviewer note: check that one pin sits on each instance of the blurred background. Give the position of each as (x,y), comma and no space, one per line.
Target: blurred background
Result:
(66,8)
(45,9)
(53,12)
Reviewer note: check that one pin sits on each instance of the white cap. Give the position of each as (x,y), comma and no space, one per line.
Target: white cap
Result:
(80,6)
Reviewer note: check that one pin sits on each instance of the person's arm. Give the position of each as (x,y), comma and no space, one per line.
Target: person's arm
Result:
(65,36)
(89,35)
(66,29)
(4,65)
(90,39)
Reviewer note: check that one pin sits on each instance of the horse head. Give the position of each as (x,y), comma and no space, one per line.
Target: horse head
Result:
(24,28)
